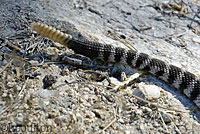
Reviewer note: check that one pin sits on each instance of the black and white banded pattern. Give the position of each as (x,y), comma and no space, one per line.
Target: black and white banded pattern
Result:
(185,81)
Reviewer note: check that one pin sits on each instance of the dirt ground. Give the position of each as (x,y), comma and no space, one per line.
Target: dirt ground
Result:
(47,88)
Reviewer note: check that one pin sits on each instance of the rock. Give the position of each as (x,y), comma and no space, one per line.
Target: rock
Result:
(149,92)
(48,93)
(114,81)
(48,81)
(70,79)
(147,109)
(102,114)
(166,117)
(11,84)
(90,115)
(52,52)
(87,121)
(20,118)
(196,39)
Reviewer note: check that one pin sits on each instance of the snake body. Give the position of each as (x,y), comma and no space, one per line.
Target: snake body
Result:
(185,81)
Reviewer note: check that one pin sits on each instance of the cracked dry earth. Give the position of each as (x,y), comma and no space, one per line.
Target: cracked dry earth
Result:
(47,88)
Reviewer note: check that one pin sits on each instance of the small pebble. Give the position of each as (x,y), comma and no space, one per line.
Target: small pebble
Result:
(166,117)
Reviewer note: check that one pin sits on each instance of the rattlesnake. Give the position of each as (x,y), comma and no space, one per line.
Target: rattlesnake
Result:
(185,81)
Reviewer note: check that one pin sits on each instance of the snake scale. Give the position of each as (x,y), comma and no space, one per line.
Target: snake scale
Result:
(185,81)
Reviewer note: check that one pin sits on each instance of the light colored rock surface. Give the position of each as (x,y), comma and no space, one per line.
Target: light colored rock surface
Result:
(148,92)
